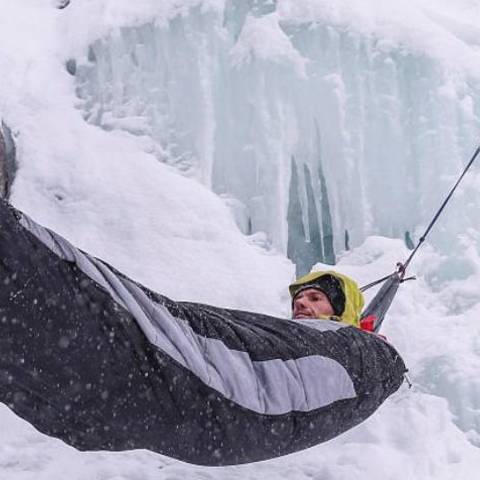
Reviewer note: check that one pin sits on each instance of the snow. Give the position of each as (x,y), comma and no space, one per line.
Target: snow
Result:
(440,29)
(157,190)
(278,49)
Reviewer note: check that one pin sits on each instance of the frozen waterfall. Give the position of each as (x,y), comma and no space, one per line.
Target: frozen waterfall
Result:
(319,136)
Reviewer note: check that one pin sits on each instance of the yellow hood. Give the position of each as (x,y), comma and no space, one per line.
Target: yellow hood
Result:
(354,300)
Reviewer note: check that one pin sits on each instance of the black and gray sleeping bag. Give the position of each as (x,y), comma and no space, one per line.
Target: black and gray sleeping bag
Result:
(93,358)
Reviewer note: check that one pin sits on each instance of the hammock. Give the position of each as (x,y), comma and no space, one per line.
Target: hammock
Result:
(89,356)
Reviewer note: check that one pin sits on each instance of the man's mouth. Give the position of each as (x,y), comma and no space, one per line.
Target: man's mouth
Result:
(303,315)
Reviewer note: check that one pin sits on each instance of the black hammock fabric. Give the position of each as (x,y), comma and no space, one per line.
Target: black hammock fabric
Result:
(99,361)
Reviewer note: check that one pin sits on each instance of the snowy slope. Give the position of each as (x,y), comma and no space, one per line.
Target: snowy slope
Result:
(105,193)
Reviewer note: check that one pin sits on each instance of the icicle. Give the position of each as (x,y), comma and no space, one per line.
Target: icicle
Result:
(326,216)
(304,250)
(408,241)
(347,240)
(315,252)
(296,230)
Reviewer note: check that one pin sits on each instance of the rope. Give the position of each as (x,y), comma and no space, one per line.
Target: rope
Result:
(402,267)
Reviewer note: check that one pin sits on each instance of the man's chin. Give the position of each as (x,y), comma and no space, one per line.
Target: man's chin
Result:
(304,316)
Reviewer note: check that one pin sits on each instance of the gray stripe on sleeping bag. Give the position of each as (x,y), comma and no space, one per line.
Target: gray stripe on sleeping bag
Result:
(268,387)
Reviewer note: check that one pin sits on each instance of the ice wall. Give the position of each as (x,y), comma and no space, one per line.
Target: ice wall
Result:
(312,130)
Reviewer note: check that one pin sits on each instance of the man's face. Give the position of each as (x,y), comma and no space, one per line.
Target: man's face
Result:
(311,303)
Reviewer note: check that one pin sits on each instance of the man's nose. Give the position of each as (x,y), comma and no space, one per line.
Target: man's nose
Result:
(300,302)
